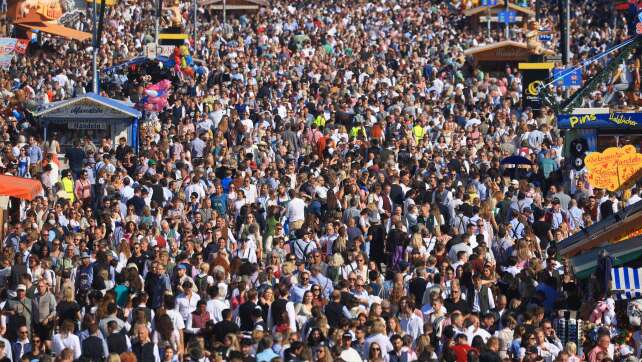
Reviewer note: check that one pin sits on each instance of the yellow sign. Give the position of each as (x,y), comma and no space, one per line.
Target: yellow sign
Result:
(615,168)
(533,87)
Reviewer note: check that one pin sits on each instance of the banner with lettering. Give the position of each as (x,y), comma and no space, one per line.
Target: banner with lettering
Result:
(613,120)
(7,51)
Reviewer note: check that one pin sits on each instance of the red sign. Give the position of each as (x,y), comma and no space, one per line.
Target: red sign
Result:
(21,46)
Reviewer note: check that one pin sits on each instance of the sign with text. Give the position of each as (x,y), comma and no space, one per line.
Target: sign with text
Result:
(613,120)
(87,125)
(533,78)
(85,109)
(568,77)
(507,16)
(615,168)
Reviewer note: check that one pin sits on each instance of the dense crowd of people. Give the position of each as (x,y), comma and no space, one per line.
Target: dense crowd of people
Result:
(325,185)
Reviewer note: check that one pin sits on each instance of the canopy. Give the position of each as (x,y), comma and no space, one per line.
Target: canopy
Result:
(87,106)
(22,188)
(516,160)
(35,21)
(59,30)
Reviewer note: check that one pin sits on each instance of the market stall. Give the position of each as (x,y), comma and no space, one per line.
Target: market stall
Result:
(92,116)
(13,189)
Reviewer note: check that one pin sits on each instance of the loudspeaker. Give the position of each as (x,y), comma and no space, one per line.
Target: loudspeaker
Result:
(579,146)
(578,162)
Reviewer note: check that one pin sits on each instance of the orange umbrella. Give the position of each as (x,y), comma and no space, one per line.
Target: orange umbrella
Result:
(20,187)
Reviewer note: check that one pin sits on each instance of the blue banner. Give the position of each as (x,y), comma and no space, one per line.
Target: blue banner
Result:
(614,120)
(488,2)
(568,77)
(546,37)
(507,16)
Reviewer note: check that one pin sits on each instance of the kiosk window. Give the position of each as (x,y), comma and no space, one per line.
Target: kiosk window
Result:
(605,141)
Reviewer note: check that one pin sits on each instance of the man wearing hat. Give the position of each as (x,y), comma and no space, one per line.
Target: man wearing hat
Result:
(348,354)
(19,311)
(83,274)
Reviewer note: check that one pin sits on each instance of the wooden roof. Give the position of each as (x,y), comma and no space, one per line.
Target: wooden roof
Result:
(235,4)
(506,50)
(496,8)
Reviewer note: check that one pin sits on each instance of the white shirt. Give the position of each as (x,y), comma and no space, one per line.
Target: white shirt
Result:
(633,199)
(412,325)
(350,355)
(177,319)
(71,341)
(186,305)
(215,308)
(478,332)
(295,210)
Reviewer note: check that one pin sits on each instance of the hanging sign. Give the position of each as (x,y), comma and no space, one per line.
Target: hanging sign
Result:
(613,120)
(87,125)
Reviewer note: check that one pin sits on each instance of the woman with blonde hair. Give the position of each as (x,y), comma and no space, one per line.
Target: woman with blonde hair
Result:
(230,344)
(394,327)
(68,308)
(416,243)
(378,336)
(113,357)
(423,349)
(571,349)
(486,214)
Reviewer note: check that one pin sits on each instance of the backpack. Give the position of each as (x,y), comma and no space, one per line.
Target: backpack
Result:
(397,255)
(505,213)
(202,285)
(304,250)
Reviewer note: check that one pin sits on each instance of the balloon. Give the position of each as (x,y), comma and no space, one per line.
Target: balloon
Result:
(155,99)
(17,114)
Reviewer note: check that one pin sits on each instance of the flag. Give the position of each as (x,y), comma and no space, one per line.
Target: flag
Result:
(627,283)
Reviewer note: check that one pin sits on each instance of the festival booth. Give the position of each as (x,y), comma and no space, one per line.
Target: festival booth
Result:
(36,22)
(92,116)
(495,56)
(479,15)
(44,16)
(13,189)
(235,6)
(591,130)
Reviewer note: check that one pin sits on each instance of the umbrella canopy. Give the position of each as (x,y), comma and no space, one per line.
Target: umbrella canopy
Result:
(22,188)
(516,160)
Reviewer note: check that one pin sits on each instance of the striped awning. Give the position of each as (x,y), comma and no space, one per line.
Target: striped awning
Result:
(627,283)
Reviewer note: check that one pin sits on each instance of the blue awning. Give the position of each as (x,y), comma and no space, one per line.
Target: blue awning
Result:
(89,106)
